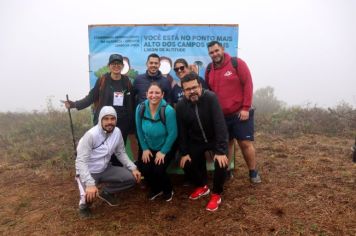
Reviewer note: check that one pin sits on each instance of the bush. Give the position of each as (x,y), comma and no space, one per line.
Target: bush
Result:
(41,136)
(309,120)
(265,101)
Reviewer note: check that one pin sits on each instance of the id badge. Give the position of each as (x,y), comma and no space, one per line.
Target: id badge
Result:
(118,99)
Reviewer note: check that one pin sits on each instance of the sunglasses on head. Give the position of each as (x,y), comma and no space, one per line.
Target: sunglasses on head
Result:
(179,68)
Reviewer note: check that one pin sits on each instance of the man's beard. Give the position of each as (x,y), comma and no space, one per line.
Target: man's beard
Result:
(195,100)
(107,128)
(219,61)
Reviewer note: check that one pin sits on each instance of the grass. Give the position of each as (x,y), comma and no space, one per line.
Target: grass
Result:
(307,189)
(41,136)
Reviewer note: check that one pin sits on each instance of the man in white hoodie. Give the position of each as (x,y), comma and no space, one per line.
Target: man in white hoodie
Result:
(93,163)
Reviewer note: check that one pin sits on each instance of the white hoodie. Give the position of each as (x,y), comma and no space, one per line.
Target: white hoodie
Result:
(96,147)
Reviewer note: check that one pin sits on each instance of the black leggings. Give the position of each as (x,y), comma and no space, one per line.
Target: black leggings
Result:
(156,175)
(196,170)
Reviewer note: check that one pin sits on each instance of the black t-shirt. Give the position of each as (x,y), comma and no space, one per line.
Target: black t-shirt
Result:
(118,86)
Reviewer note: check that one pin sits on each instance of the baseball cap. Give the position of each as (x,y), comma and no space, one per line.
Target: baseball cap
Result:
(115,57)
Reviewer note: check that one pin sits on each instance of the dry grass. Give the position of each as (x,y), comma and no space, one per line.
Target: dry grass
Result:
(308,189)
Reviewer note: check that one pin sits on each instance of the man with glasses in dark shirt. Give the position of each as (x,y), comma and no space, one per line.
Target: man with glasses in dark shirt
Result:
(202,128)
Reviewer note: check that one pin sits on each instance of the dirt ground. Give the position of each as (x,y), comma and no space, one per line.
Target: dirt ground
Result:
(308,189)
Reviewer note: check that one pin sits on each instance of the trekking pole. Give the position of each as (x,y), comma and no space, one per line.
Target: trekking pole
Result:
(71,127)
(354,152)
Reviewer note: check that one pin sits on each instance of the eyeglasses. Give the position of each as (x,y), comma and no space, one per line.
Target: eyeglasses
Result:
(116,64)
(179,68)
(192,89)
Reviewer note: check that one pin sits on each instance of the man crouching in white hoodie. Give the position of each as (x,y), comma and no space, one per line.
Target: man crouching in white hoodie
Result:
(93,163)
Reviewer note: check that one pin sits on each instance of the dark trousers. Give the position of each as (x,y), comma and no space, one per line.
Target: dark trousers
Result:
(122,124)
(196,170)
(156,175)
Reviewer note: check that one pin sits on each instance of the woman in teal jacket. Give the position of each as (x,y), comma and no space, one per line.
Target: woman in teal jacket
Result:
(156,134)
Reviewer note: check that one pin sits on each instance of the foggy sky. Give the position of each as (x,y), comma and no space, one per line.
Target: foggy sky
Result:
(305,49)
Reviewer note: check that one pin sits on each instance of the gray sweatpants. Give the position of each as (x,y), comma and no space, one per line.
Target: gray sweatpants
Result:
(116,179)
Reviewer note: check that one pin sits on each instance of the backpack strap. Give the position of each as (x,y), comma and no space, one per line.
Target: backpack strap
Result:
(97,92)
(162,113)
(234,63)
(102,82)
(208,68)
(142,108)
(207,72)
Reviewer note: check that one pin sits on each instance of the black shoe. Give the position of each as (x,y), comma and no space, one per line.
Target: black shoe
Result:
(153,195)
(168,196)
(109,198)
(84,211)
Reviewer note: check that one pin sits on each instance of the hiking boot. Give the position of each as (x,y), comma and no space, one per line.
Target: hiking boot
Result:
(153,195)
(198,192)
(84,211)
(214,202)
(109,198)
(255,178)
(168,196)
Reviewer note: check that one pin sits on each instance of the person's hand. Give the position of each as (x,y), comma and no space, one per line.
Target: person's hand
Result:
(69,104)
(183,160)
(244,115)
(137,175)
(90,193)
(146,155)
(159,158)
(222,160)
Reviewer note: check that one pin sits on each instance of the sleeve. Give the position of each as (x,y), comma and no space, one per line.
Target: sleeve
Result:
(206,77)
(245,76)
(171,127)
(139,130)
(89,99)
(182,130)
(121,155)
(220,130)
(81,162)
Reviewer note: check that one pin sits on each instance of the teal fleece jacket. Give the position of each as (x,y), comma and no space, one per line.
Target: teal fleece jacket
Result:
(152,133)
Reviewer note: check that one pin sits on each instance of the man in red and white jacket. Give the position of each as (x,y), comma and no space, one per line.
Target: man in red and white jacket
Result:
(231,80)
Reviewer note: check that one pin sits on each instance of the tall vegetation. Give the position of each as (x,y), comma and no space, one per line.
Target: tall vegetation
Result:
(273,116)
(42,135)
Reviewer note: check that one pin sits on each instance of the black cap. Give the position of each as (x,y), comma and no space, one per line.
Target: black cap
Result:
(115,57)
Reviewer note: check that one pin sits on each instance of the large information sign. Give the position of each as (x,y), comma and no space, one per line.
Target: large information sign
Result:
(170,42)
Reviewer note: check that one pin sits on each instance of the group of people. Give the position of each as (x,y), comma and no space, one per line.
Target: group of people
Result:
(198,118)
